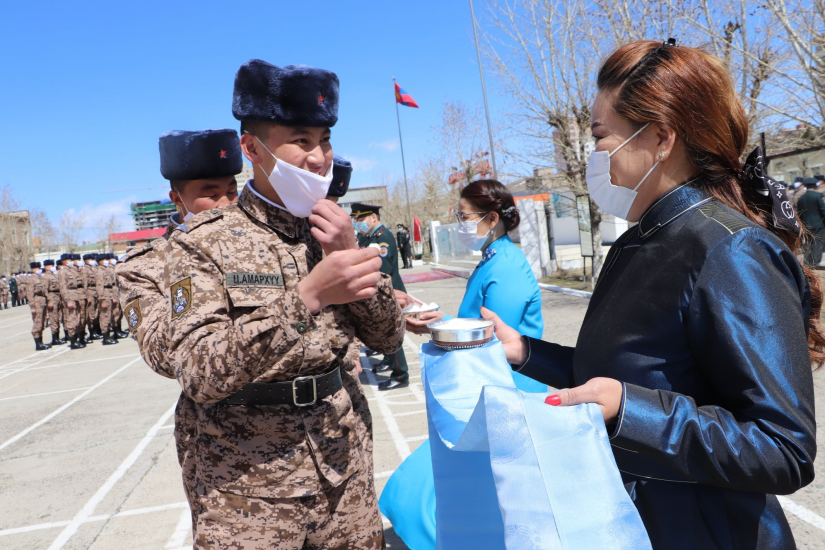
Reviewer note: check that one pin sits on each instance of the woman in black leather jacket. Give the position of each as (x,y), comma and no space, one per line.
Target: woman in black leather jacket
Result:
(699,339)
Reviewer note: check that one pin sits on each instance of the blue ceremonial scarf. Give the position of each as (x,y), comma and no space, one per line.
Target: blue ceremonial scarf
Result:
(502,478)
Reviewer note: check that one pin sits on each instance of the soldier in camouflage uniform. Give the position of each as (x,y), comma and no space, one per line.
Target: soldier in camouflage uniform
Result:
(201,167)
(4,292)
(22,279)
(70,284)
(53,301)
(261,326)
(90,270)
(37,303)
(105,288)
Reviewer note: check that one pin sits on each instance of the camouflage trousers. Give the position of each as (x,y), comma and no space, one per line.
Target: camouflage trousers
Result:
(339,518)
(117,313)
(4,298)
(92,305)
(71,318)
(81,320)
(186,431)
(53,305)
(105,315)
(38,309)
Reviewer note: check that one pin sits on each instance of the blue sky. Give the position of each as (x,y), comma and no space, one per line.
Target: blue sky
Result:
(89,86)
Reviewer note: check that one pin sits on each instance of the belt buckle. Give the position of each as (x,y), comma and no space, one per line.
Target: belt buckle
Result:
(295,391)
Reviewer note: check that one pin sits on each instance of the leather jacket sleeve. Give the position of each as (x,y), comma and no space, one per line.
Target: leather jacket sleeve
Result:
(747,324)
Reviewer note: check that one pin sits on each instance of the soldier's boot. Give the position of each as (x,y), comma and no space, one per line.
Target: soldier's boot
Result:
(65,335)
(108,340)
(39,345)
(95,330)
(76,343)
(121,333)
(86,338)
(56,341)
(384,365)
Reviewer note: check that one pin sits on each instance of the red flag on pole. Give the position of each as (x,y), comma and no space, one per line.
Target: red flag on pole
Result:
(404,98)
(416,229)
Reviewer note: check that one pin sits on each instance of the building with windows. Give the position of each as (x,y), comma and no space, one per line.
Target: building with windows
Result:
(121,242)
(246,174)
(152,215)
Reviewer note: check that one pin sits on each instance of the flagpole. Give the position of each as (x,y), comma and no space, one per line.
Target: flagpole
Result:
(484,92)
(403,163)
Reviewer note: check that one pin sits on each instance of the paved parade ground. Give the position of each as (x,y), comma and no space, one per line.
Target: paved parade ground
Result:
(87,457)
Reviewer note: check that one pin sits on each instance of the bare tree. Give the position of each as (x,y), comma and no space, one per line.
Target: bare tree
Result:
(43,230)
(437,195)
(106,228)
(71,226)
(15,233)
(544,55)
(803,79)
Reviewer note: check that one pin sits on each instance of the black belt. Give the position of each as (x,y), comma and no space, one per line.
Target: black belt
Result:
(302,391)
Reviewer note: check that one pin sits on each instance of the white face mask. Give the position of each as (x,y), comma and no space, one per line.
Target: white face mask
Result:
(467,234)
(53,269)
(39,272)
(613,199)
(105,263)
(79,263)
(113,262)
(299,189)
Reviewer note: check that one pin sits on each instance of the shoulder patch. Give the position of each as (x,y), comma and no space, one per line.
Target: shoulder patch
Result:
(714,211)
(181,296)
(134,315)
(383,249)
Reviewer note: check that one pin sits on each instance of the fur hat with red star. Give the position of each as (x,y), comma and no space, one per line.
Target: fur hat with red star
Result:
(204,154)
(294,95)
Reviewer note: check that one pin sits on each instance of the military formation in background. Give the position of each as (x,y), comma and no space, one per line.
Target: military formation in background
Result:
(78,294)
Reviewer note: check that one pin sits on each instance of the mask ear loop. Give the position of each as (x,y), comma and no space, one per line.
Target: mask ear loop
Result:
(639,131)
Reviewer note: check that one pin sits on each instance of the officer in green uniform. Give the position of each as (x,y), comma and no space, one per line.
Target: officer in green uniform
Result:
(374,234)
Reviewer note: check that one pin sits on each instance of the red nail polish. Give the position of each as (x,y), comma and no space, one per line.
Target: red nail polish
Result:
(554,400)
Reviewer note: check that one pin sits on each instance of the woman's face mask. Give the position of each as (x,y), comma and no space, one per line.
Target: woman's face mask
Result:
(467,234)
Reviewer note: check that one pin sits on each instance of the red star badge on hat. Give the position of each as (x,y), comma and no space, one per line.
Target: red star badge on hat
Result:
(320,99)
(223,154)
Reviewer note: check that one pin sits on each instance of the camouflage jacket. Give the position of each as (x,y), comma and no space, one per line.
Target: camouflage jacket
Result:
(237,317)
(36,289)
(142,297)
(4,285)
(105,282)
(89,274)
(70,283)
(52,284)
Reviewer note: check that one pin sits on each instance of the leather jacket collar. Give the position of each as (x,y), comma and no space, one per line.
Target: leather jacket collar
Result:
(671,205)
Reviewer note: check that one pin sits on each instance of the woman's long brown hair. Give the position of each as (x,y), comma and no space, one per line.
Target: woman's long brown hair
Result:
(691,91)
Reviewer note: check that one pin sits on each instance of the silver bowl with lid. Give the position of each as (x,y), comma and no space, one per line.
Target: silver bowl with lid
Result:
(461,333)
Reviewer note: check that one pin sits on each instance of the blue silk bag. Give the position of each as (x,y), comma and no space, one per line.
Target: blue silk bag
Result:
(514,473)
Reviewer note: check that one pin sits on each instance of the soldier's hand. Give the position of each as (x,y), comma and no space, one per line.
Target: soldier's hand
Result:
(342,277)
(404,299)
(332,227)
(70,305)
(419,326)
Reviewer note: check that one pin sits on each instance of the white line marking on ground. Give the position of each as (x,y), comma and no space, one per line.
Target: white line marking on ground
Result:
(382,475)
(104,517)
(410,413)
(39,394)
(12,324)
(86,512)
(66,406)
(21,359)
(51,356)
(15,335)
(182,529)
(418,438)
(802,513)
(167,427)
(392,426)
(88,361)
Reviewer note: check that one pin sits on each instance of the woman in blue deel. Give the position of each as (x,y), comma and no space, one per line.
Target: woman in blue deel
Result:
(502,282)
